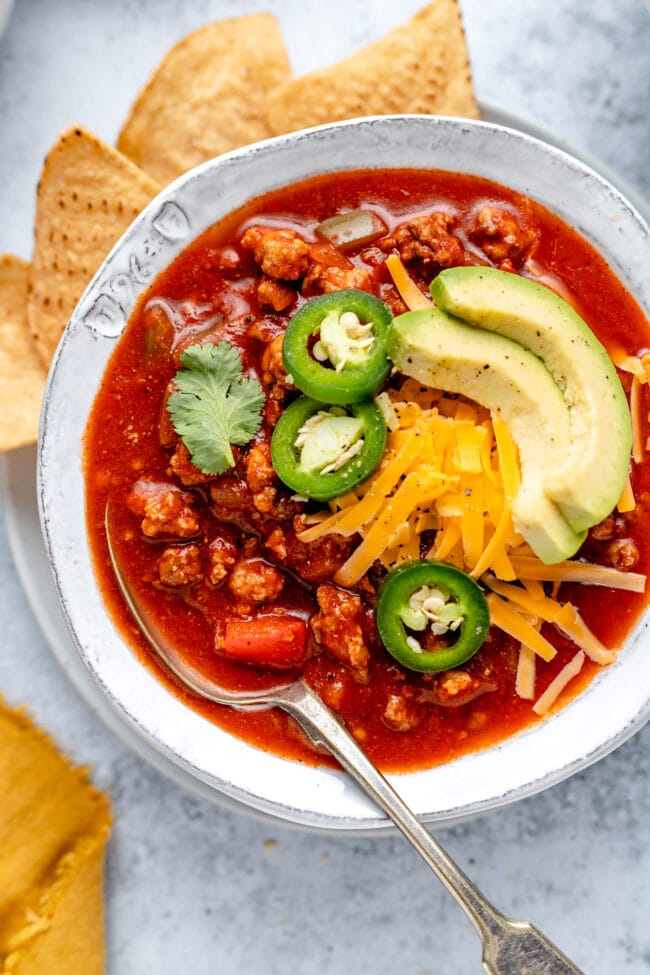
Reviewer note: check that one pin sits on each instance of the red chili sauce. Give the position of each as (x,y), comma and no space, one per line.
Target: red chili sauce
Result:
(194,576)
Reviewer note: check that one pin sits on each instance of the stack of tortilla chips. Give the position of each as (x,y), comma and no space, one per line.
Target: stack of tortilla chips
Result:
(224,86)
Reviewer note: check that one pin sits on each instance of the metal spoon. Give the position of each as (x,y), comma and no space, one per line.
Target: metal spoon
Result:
(509,947)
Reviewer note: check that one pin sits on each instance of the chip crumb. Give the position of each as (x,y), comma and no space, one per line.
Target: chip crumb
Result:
(270,844)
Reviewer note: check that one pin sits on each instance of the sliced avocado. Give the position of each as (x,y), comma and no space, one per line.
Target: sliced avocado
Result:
(589,481)
(441,351)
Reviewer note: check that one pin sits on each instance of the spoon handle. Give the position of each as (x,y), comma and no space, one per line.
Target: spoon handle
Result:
(509,947)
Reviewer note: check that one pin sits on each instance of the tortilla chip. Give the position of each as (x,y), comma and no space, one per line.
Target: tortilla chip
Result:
(207,96)
(420,67)
(22,375)
(53,830)
(87,197)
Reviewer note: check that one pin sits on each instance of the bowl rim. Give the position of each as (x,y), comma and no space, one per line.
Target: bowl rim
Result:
(344,808)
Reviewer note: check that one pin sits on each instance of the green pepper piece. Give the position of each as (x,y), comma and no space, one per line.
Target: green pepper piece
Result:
(424,594)
(323,451)
(347,362)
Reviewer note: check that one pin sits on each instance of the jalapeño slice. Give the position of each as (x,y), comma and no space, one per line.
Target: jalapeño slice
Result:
(427,595)
(335,347)
(322,451)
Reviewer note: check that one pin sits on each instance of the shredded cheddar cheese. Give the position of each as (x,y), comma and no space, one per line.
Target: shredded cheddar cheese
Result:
(564,615)
(544,703)
(504,615)
(626,502)
(449,464)
(638,444)
(549,610)
(409,292)
(528,567)
(629,363)
(445,489)
(525,679)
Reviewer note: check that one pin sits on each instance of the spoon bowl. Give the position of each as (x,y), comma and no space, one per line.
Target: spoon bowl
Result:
(194,679)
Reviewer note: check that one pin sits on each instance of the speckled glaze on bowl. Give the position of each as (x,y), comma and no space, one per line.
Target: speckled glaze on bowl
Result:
(615,705)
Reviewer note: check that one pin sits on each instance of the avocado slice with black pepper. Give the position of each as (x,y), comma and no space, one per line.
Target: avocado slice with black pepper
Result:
(445,353)
(587,482)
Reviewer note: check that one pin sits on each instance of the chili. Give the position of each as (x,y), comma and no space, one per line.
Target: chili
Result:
(201,548)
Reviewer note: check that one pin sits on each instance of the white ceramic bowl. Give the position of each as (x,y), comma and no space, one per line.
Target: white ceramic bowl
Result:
(615,705)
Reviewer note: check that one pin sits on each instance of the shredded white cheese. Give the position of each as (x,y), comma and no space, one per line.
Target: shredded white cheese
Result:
(544,703)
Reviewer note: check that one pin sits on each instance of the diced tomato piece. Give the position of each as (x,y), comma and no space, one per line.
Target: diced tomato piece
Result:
(267,641)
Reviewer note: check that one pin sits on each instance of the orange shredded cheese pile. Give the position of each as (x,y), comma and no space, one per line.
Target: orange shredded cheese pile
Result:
(449,467)
(451,470)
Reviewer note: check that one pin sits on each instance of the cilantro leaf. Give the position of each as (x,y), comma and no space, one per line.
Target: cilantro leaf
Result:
(214,405)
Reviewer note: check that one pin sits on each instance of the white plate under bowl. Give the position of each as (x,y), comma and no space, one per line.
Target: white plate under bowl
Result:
(178,740)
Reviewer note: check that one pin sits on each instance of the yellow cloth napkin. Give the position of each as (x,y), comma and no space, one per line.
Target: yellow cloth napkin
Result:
(53,830)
